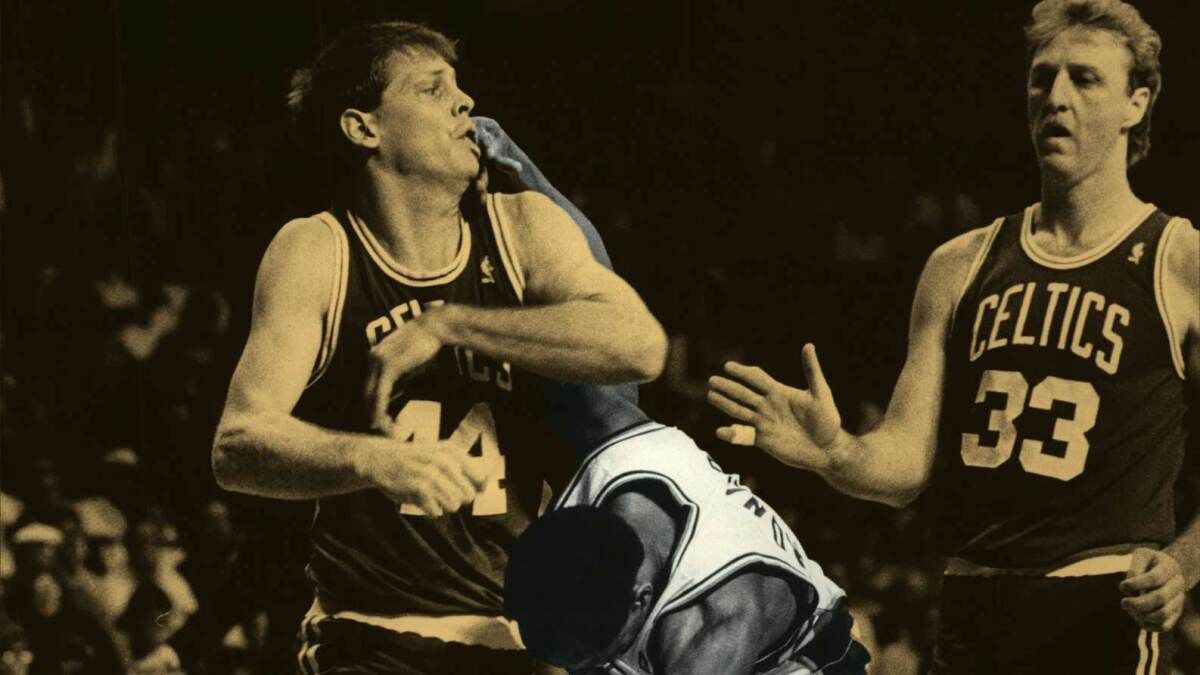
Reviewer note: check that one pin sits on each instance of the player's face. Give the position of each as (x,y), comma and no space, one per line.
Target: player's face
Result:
(423,119)
(1079,103)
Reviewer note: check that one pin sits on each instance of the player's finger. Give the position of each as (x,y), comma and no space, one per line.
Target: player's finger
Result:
(1156,577)
(812,370)
(752,376)
(1173,610)
(731,408)
(1145,603)
(737,434)
(477,472)
(735,391)
(381,396)
(1140,562)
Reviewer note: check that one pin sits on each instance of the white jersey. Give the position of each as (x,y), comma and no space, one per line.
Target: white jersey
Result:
(727,530)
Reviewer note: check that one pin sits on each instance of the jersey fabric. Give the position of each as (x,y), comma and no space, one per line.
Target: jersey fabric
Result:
(727,531)
(368,555)
(1062,423)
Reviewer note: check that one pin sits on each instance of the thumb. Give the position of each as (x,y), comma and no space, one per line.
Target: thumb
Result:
(812,371)
(1142,559)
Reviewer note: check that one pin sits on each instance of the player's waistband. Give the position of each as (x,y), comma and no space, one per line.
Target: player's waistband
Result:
(494,632)
(1086,567)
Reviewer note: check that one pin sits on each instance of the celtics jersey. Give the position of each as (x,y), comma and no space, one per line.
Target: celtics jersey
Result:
(728,530)
(1062,417)
(369,554)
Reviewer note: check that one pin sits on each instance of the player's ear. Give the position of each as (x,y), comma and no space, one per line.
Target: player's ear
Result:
(1135,110)
(359,128)
(643,593)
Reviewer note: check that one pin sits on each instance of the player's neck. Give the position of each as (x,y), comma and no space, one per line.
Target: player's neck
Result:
(1085,212)
(415,218)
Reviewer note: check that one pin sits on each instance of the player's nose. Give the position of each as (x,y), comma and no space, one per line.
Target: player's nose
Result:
(463,104)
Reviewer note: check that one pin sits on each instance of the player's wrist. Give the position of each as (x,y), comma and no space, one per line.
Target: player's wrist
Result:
(1188,557)
(440,323)
(364,458)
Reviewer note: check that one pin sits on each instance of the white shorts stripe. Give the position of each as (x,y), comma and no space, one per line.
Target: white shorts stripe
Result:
(1153,654)
(1143,653)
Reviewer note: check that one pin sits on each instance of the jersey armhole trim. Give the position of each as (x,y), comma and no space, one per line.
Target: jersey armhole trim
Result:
(1160,298)
(976,264)
(505,243)
(337,297)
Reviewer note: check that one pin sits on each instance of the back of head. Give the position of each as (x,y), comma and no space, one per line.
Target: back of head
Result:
(570,580)
(1051,17)
(351,72)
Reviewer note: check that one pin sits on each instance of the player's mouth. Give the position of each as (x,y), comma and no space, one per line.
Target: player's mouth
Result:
(469,136)
(1053,129)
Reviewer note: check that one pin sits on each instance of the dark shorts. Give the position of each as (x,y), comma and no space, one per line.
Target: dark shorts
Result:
(1032,625)
(331,645)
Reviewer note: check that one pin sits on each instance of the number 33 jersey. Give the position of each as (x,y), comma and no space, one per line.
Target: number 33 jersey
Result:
(370,554)
(1062,418)
(728,529)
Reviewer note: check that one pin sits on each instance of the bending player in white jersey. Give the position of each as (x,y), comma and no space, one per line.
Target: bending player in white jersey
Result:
(654,560)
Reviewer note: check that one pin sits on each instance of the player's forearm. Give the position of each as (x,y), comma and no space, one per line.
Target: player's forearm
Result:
(279,456)
(877,466)
(1186,551)
(579,340)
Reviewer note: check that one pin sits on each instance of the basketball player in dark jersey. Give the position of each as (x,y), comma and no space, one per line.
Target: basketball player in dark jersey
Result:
(1043,397)
(481,294)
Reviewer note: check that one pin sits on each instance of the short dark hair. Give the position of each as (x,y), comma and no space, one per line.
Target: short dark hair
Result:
(1051,17)
(572,572)
(352,72)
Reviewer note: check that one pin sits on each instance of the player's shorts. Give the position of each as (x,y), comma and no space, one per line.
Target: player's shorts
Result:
(1030,625)
(331,645)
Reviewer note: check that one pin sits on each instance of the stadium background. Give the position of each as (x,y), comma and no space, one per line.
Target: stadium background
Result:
(763,173)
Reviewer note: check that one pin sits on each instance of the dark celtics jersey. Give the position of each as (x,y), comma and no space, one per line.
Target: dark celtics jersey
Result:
(1062,418)
(368,555)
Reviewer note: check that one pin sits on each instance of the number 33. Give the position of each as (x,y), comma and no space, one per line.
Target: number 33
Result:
(1068,430)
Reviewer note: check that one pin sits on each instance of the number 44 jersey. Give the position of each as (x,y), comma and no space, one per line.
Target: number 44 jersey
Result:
(1062,418)
(370,554)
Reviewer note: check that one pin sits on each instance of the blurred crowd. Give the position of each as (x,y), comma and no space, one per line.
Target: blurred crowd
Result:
(127,277)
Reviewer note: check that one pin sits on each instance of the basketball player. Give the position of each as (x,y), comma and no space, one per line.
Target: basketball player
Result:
(1042,400)
(654,560)
(479,294)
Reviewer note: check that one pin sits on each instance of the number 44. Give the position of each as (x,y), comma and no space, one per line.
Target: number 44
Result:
(421,421)
(1071,431)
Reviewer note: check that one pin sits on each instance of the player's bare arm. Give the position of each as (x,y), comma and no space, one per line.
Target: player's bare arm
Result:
(802,427)
(262,449)
(1157,582)
(581,321)
(728,630)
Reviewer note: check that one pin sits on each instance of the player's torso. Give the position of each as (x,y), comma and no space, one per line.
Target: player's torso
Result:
(728,530)
(368,555)
(1062,411)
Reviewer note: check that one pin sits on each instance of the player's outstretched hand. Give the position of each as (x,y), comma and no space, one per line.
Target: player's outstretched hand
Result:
(1154,589)
(796,426)
(438,477)
(404,351)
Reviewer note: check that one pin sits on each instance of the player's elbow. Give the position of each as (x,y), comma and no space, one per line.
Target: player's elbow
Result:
(226,451)
(646,352)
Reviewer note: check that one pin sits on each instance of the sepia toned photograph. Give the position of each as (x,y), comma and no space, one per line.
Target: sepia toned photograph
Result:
(545,337)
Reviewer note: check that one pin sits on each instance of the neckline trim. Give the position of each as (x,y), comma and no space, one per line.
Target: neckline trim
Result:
(407,275)
(1079,260)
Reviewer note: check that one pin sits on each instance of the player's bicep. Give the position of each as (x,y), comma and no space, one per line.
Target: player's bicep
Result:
(291,296)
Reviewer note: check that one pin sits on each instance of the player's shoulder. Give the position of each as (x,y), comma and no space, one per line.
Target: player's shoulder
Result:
(528,208)
(301,258)
(1183,253)
(959,253)
(950,264)
(314,235)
